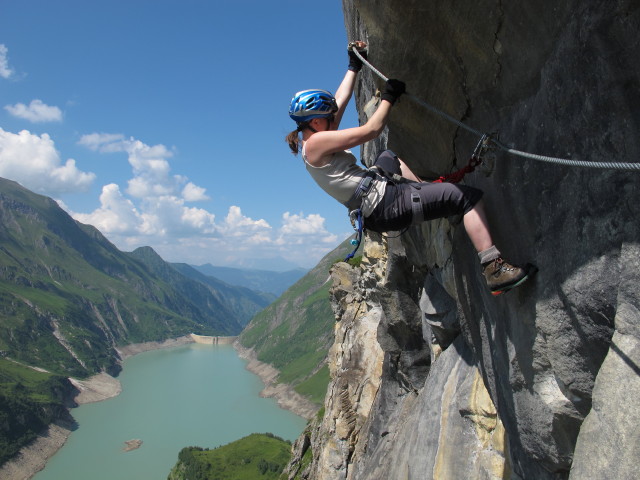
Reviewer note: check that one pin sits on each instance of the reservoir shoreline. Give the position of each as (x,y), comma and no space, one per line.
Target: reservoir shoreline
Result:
(33,457)
(284,394)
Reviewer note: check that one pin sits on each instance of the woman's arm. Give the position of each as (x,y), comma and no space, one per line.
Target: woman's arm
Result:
(343,95)
(321,144)
(345,90)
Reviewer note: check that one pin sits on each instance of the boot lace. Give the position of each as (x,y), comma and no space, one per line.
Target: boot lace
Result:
(500,265)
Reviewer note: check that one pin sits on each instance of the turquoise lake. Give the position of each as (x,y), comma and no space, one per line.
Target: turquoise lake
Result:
(198,395)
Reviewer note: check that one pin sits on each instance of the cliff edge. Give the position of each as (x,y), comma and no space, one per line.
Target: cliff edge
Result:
(432,377)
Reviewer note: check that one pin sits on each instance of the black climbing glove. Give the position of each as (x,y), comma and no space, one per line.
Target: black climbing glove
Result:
(355,64)
(392,90)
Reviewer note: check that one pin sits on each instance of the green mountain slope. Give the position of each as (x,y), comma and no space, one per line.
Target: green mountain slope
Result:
(68,296)
(255,457)
(29,401)
(295,332)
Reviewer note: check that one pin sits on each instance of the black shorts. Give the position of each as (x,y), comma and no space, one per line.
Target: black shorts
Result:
(438,199)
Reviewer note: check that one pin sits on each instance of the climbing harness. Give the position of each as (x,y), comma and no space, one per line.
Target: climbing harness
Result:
(358,225)
(355,212)
(361,190)
(417,210)
(532,156)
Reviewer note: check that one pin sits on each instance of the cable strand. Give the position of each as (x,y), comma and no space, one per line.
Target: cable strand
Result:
(512,151)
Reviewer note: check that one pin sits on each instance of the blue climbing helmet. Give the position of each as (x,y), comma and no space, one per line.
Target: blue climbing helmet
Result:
(310,104)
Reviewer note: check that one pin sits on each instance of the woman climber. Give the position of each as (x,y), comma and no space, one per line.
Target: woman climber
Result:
(391,197)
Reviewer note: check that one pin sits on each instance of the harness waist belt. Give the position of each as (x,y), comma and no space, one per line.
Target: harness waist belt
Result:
(361,190)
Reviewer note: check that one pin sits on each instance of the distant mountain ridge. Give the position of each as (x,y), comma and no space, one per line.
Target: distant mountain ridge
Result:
(246,302)
(254,279)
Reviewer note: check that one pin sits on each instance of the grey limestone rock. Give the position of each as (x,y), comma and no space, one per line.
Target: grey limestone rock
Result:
(558,357)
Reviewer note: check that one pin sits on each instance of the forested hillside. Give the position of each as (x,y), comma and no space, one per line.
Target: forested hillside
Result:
(294,333)
(259,456)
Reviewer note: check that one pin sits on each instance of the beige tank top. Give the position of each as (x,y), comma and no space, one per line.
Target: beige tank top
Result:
(341,176)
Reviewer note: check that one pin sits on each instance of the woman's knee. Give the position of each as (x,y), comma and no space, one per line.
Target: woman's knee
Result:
(388,161)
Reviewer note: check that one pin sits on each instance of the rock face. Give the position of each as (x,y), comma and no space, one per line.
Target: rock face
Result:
(432,377)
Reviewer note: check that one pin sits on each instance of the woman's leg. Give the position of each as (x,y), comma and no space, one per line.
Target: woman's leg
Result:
(444,199)
(407,173)
(499,275)
(475,223)
(390,162)
(447,199)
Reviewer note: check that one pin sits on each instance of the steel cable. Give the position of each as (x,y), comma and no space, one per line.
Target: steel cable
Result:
(513,151)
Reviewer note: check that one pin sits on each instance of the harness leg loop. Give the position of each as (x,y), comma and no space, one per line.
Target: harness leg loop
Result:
(416,209)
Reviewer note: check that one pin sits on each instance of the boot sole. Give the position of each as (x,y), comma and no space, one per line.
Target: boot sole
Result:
(531,271)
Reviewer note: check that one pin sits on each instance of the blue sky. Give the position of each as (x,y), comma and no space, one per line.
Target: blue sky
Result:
(162,122)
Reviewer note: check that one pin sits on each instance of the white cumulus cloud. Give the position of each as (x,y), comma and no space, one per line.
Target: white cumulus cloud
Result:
(168,216)
(293,224)
(5,70)
(236,224)
(154,203)
(298,229)
(153,208)
(36,112)
(33,161)
(150,164)
(116,213)
(104,142)
(193,193)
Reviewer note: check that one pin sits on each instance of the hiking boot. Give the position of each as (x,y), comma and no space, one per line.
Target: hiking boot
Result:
(502,276)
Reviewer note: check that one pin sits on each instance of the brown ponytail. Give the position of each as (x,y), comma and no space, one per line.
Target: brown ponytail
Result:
(293,139)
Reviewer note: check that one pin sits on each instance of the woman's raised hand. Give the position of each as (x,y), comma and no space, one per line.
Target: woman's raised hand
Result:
(355,64)
(393,89)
